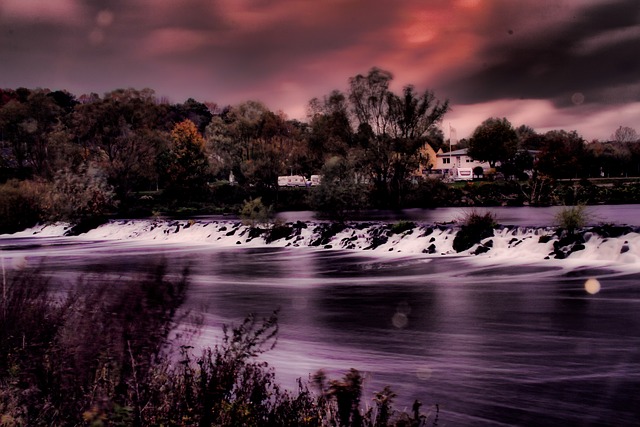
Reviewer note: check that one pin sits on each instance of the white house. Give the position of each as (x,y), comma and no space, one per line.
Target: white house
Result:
(447,163)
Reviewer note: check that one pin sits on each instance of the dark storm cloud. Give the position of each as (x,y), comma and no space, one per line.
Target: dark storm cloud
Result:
(591,53)
(538,58)
(256,50)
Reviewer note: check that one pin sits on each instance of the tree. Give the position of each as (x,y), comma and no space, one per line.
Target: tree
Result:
(562,155)
(369,99)
(391,129)
(330,129)
(528,139)
(435,138)
(27,123)
(609,158)
(255,144)
(412,116)
(231,137)
(625,134)
(79,195)
(12,115)
(198,112)
(123,133)
(493,141)
(341,190)
(184,165)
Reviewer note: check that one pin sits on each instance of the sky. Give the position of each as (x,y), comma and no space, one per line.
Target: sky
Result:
(549,64)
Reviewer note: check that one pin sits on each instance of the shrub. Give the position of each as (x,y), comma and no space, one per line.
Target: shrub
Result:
(89,357)
(431,193)
(101,357)
(255,213)
(79,195)
(475,227)
(570,218)
(340,193)
(21,204)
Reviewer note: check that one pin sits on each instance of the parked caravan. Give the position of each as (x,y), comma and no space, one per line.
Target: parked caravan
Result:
(292,181)
(283,181)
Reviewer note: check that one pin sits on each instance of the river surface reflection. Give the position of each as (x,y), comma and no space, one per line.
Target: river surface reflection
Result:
(518,216)
(491,344)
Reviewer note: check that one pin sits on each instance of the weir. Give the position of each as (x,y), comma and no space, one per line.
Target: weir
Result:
(525,244)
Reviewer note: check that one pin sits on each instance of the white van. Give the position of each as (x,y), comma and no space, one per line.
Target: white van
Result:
(463,174)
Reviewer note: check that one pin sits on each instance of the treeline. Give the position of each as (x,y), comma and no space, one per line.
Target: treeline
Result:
(557,154)
(128,152)
(118,354)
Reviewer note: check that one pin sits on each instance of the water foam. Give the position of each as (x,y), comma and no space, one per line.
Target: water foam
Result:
(509,244)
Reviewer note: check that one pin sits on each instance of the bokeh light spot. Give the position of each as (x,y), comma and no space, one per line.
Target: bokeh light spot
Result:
(104,18)
(400,320)
(592,286)
(577,98)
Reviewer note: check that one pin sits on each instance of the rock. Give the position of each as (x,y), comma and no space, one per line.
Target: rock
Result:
(481,250)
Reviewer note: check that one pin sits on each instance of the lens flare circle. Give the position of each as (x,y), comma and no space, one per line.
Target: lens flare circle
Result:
(592,286)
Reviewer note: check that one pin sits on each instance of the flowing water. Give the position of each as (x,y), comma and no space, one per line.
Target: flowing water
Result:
(503,338)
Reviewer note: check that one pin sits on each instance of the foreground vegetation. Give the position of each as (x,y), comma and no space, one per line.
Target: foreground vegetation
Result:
(112,354)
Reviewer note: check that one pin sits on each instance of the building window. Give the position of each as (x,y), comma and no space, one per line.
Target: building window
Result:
(468,160)
(446,160)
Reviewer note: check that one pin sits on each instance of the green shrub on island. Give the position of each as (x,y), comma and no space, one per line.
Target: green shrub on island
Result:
(475,227)
(571,218)
(254,213)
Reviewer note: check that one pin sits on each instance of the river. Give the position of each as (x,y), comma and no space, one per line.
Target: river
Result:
(493,340)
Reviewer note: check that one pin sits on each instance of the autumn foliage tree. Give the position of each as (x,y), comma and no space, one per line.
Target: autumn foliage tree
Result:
(184,165)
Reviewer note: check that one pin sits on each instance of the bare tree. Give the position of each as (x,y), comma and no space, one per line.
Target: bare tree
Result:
(625,134)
